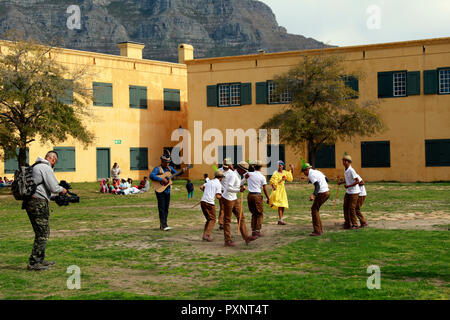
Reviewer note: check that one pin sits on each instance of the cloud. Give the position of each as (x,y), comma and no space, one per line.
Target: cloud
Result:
(344,22)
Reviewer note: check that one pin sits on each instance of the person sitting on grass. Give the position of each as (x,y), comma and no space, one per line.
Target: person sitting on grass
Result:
(114,188)
(190,189)
(2,183)
(144,186)
(104,186)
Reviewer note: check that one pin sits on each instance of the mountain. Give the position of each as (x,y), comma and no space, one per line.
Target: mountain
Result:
(214,27)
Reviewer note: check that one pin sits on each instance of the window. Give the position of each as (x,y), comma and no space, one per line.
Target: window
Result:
(375,154)
(171,99)
(67,98)
(352,83)
(138,158)
(444,81)
(326,157)
(273,98)
(66,159)
(12,164)
(398,84)
(229,95)
(138,97)
(437,153)
(103,94)
(233,152)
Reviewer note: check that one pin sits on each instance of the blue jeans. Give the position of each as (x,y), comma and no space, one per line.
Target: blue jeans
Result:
(190,194)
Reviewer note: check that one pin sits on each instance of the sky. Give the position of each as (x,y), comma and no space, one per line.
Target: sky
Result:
(358,22)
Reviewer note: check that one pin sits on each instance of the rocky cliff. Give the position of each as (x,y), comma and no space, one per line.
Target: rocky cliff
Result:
(213,27)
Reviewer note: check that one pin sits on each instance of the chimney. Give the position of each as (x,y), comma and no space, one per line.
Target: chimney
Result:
(131,49)
(185,52)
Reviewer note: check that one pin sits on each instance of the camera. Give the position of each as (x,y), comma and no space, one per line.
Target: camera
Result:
(66,199)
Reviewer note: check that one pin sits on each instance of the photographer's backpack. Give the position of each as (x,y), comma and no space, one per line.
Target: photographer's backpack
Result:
(23,186)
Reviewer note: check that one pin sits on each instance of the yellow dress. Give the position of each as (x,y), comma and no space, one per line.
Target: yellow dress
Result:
(278,198)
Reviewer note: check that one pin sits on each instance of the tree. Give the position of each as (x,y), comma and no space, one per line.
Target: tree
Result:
(39,98)
(323,107)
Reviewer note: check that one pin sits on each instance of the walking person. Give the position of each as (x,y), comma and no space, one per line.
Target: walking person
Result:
(211,190)
(115,171)
(163,197)
(278,198)
(190,189)
(359,204)
(320,195)
(256,181)
(38,210)
(351,196)
(227,167)
(232,205)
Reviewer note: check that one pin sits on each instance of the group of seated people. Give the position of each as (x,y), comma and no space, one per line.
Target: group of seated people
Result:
(5,182)
(124,187)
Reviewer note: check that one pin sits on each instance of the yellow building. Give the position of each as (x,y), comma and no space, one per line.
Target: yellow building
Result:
(410,79)
(139,103)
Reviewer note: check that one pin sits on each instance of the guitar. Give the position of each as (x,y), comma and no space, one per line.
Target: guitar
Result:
(159,187)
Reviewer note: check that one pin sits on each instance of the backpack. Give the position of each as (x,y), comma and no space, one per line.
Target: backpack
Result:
(23,186)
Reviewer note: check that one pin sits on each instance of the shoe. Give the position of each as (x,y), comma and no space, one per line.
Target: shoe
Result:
(315,234)
(230,244)
(281,223)
(257,234)
(364,225)
(167,228)
(354,227)
(48,263)
(344,227)
(250,239)
(37,267)
(221,227)
(207,238)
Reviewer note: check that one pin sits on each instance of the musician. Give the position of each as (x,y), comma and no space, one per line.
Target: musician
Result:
(163,197)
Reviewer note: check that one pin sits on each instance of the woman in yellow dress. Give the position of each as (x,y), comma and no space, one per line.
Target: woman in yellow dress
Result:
(278,198)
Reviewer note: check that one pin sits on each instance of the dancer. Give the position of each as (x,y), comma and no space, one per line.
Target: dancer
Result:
(352,194)
(278,198)
(359,204)
(211,190)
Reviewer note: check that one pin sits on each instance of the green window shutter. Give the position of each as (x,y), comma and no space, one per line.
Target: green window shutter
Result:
(437,153)
(430,82)
(12,164)
(67,98)
(246,93)
(385,85)
(172,99)
(211,96)
(353,83)
(66,159)
(326,157)
(103,94)
(261,93)
(375,154)
(138,97)
(413,83)
(138,158)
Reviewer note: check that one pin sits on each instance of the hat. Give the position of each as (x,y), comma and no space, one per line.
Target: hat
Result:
(243,165)
(305,165)
(258,163)
(219,174)
(347,157)
(166,157)
(281,162)
(227,162)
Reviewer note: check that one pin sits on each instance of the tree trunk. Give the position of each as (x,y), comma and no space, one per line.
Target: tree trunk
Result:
(22,156)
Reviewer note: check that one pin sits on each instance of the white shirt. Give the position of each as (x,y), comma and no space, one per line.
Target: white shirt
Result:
(350,176)
(362,188)
(212,187)
(256,181)
(224,180)
(232,186)
(317,176)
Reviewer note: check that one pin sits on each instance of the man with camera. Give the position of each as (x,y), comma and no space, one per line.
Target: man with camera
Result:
(38,210)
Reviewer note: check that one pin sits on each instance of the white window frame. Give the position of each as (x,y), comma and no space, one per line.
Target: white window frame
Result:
(229,94)
(444,81)
(283,98)
(399,84)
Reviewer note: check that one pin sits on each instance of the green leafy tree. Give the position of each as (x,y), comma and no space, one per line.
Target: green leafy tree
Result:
(39,98)
(323,107)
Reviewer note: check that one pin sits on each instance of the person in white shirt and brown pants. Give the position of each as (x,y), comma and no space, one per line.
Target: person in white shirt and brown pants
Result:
(256,181)
(359,204)
(320,195)
(211,190)
(232,205)
(352,194)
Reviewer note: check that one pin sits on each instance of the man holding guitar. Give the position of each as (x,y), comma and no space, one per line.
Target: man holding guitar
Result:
(161,181)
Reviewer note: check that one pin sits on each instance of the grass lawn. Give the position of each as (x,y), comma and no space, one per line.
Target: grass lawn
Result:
(122,254)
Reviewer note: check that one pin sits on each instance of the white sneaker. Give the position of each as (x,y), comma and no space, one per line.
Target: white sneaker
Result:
(167,228)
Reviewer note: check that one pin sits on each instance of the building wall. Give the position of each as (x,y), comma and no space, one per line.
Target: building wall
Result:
(409,120)
(150,128)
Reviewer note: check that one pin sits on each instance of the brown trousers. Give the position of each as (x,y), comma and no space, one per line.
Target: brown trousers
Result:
(209,211)
(256,207)
(230,208)
(359,204)
(221,211)
(318,202)
(350,202)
